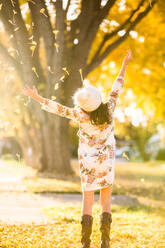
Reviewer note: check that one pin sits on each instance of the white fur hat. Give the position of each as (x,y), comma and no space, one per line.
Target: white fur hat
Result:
(88,98)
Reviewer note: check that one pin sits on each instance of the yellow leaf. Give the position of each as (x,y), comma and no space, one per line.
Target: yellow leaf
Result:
(16,29)
(11,22)
(56,86)
(65,70)
(34,69)
(55,32)
(42,11)
(80,70)
(53,97)
(34,43)
(32,48)
(49,68)
(125,155)
(62,78)
(1,6)
(56,45)
(11,36)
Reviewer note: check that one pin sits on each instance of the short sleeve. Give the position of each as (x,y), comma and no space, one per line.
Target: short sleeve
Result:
(115,92)
(59,109)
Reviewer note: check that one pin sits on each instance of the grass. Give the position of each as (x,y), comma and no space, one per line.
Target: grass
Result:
(132,227)
(140,179)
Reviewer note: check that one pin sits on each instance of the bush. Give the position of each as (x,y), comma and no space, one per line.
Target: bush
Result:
(160,155)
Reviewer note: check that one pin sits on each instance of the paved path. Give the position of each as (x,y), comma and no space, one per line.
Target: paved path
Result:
(19,206)
(27,208)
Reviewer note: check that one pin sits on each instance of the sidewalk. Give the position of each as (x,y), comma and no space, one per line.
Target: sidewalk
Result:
(18,207)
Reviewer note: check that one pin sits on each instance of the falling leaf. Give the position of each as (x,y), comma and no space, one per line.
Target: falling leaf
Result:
(53,97)
(34,43)
(56,86)
(55,32)
(28,26)
(34,69)
(11,36)
(31,37)
(125,155)
(49,68)
(32,48)
(42,11)
(56,45)
(1,6)
(62,78)
(80,70)
(65,70)
(12,22)
(12,3)
(11,51)
(16,29)
(28,101)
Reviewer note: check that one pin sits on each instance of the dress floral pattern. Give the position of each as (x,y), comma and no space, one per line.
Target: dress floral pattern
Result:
(96,151)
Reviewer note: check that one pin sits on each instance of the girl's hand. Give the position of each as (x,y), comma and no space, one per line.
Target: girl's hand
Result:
(27,91)
(128,57)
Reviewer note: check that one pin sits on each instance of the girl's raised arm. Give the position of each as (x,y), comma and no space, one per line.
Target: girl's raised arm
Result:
(50,105)
(118,83)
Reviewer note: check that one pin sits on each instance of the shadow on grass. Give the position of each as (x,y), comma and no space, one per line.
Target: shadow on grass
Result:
(159,211)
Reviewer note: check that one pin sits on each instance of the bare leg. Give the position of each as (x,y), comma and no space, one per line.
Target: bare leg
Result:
(105,199)
(88,202)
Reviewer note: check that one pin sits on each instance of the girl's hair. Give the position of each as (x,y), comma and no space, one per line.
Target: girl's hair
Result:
(100,115)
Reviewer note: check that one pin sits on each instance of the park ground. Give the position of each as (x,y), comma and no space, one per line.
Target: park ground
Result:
(41,212)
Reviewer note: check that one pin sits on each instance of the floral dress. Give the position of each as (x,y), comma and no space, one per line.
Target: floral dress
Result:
(96,151)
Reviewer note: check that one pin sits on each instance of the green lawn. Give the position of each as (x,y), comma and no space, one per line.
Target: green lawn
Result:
(140,179)
(145,180)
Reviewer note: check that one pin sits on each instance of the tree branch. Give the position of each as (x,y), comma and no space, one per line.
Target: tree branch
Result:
(36,57)
(116,43)
(109,36)
(93,17)
(9,28)
(41,19)
(60,39)
(67,7)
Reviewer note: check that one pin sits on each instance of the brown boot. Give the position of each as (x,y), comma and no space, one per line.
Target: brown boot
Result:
(105,224)
(86,222)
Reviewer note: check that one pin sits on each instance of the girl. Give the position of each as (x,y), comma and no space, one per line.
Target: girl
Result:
(96,148)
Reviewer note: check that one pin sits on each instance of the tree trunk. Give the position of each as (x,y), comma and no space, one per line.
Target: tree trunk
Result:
(56,146)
